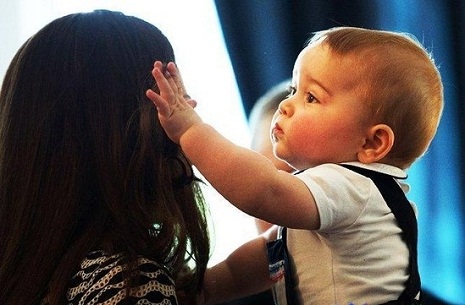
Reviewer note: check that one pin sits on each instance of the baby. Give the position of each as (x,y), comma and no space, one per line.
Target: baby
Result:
(364,105)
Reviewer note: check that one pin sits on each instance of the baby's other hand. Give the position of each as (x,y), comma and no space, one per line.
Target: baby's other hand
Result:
(174,105)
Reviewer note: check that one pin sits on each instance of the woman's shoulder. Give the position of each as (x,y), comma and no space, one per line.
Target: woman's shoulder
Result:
(100,278)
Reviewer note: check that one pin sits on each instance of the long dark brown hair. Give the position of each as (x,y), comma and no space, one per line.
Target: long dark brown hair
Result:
(84,163)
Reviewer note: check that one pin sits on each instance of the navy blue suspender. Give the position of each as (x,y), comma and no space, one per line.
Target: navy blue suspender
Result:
(406,220)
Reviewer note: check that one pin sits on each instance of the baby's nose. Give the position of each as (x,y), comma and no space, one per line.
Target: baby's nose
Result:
(285,107)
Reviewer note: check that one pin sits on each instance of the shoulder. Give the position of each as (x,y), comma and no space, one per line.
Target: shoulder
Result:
(336,176)
(340,194)
(328,178)
(100,279)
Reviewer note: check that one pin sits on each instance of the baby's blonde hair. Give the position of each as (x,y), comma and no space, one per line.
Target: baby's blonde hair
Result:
(400,83)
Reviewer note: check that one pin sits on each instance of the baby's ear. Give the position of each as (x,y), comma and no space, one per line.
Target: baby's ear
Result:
(378,144)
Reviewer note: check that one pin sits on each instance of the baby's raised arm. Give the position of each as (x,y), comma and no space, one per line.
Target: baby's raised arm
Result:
(245,178)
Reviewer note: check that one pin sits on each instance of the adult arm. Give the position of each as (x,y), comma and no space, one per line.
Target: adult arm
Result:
(243,272)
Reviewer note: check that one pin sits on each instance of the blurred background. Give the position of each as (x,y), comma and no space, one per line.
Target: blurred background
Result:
(232,51)
(263,40)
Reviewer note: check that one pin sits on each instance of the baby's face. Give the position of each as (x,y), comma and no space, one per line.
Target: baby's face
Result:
(324,120)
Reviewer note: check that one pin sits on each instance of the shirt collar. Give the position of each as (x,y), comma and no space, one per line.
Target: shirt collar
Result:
(382,168)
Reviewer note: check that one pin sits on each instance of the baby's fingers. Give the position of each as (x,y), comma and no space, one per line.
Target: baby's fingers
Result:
(172,94)
(192,103)
(165,82)
(162,105)
(176,80)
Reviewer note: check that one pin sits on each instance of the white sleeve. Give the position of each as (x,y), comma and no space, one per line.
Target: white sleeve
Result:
(340,194)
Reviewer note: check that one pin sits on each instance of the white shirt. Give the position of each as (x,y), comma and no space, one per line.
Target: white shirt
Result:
(357,255)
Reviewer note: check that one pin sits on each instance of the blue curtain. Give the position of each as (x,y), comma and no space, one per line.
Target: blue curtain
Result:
(263,39)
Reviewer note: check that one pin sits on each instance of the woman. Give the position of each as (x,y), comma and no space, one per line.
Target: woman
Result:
(96,203)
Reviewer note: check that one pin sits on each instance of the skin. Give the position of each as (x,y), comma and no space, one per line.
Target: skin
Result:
(321,122)
(307,130)
(265,147)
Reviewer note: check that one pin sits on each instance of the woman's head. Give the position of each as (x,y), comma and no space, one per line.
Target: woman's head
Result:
(399,82)
(83,143)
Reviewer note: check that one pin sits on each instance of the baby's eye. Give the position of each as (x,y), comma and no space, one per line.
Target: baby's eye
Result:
(291,90)
(311,98)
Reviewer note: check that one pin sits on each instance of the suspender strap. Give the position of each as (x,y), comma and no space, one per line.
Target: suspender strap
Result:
(281,271)
(405,216)
(290,284)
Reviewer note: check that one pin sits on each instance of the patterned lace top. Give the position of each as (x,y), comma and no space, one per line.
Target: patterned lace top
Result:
(100,281)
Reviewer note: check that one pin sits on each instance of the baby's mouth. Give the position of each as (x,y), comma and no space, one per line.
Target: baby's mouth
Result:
(276,131)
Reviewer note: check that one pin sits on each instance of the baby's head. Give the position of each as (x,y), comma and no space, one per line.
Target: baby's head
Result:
(399,83)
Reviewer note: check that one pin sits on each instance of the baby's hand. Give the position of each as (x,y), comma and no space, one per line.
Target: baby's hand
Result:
(175,107)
